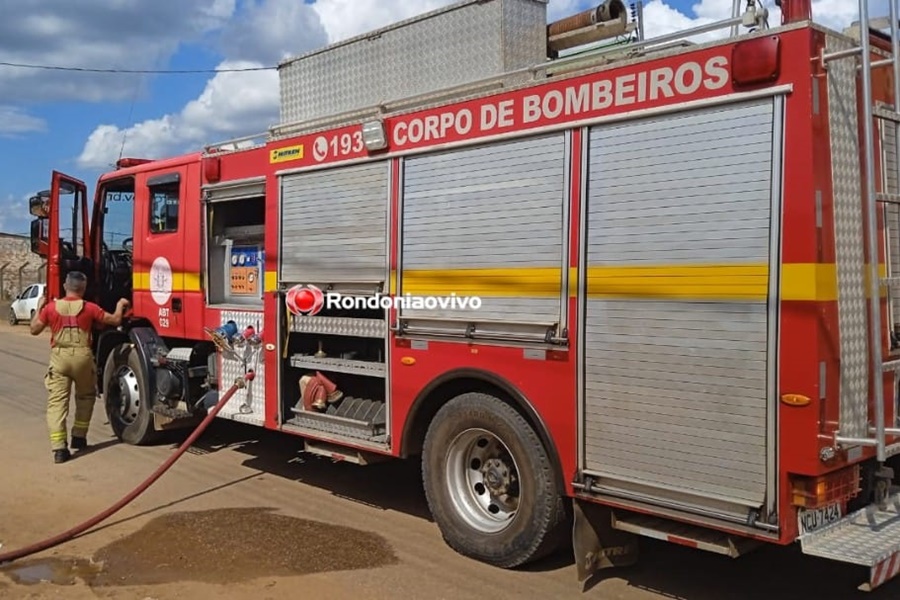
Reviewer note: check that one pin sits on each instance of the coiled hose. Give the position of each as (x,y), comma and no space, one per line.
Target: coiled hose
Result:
(7,557)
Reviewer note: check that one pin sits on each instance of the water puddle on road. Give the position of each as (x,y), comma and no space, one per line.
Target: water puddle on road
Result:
(216,546)
(58,571)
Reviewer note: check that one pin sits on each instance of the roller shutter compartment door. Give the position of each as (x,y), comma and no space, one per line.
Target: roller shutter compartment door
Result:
(675,364)
(487,222)
(255,188)
(334,225)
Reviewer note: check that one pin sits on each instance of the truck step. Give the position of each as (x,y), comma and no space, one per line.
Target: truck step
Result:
(172,413)
(683,534)
(342,453)
(869,537)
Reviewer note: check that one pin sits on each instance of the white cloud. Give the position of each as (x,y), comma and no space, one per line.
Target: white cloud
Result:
(117,34)
(347,18)
(661,18)
(265,31)
(268,31)
(14,216)
(235,104)
(231,105)
(14,122)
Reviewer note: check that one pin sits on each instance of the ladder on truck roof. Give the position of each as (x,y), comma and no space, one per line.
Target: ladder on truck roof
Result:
(871,536)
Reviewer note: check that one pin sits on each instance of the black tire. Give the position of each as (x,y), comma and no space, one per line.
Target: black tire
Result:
(13,320)
(124,371)
(538,524)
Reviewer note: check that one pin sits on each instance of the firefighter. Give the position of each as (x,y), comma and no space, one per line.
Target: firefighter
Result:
(71,321)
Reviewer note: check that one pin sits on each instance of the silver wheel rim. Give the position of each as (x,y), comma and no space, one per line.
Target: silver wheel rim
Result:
(129,394)
(483,480)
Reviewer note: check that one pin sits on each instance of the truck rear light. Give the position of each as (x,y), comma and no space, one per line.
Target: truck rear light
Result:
(756,61)
(817,492)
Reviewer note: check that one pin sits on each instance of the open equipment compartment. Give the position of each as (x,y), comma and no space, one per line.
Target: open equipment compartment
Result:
(334,240)
(236,255)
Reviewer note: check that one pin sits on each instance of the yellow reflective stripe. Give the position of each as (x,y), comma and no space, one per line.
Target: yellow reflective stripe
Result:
(191,282)
(181,282)
(720,282)
(81,424)
(57,436)
(809,282)
(531,282)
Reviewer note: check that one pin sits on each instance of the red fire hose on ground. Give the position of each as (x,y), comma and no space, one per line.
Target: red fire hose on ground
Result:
(7,557)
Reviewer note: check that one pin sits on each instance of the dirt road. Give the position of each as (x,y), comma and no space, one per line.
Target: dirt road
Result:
(246,516)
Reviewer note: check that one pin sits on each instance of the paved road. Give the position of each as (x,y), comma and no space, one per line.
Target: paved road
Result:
(246,516)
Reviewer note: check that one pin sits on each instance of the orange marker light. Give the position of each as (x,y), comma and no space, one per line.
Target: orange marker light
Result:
(796,400)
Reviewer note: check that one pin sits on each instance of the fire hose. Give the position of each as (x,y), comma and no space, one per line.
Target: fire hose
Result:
(7,557)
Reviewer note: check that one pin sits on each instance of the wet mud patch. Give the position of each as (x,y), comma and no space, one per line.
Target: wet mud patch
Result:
(58,571)
(235,545)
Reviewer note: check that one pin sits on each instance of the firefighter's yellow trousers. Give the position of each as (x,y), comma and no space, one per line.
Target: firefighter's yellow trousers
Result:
(68,366)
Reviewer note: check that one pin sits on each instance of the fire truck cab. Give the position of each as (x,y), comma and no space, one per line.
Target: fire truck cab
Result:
(600,285)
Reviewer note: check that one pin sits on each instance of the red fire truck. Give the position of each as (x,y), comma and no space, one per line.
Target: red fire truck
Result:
(584,276)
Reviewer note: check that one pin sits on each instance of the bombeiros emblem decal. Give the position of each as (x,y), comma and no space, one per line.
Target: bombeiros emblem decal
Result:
(161,280)
(304,300)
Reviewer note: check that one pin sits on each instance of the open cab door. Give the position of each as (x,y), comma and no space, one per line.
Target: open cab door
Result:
(60,232)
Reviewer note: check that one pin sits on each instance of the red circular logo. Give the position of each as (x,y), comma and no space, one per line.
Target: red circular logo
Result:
(304,300)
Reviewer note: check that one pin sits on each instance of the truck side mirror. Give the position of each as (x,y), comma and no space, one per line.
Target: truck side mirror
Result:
(39,204)
(38,237)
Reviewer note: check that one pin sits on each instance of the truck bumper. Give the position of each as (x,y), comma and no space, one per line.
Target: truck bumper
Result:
(869,537)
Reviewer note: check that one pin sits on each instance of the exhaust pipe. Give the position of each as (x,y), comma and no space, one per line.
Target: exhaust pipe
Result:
(609,19)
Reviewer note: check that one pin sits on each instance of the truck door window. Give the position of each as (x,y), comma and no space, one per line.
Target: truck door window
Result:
(118,213)
(164,203)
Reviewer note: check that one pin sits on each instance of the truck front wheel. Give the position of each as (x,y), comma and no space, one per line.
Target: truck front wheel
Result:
(126,398)
(490,484)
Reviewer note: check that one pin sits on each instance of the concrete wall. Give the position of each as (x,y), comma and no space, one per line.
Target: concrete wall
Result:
(15,253)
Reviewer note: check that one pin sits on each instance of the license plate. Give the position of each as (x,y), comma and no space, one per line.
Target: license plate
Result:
(814,519)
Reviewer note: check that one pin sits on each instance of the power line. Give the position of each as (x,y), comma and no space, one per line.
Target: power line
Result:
(151,71)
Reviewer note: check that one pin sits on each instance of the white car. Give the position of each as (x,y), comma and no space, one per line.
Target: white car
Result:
(25,304)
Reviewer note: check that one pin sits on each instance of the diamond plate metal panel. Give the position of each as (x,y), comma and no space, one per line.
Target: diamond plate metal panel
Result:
(849,242)
(370,328)
(865,537)
(249,404)
(465,41)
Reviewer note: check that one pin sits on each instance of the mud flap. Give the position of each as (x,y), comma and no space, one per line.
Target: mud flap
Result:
(596,544)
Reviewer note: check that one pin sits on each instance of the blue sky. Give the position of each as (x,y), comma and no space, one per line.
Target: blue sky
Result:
(75,122)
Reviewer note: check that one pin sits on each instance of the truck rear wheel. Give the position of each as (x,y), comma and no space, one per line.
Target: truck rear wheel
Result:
(490,484)
(126,398)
